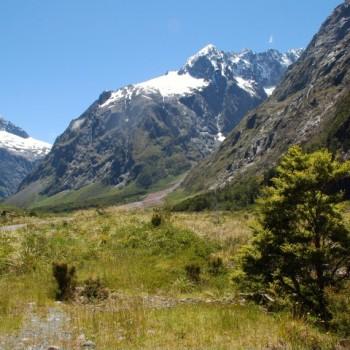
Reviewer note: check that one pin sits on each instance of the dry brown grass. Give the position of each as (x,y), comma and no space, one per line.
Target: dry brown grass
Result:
(217,225)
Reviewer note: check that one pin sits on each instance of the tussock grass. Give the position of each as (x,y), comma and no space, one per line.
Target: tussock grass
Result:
(196,326)
(137,261)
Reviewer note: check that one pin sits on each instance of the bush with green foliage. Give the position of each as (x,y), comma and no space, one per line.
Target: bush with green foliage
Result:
(157,218)
(160,216)
(65,277)
(300,248)
(193,272)
(215,265)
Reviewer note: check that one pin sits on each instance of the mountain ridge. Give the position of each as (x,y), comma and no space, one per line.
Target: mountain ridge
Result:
(302,110)
(19,155)
(158,129)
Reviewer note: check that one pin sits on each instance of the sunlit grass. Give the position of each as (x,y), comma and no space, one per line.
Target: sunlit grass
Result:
(141,264)
(195,326)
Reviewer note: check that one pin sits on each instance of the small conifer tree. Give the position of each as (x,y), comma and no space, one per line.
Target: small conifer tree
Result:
(301,246)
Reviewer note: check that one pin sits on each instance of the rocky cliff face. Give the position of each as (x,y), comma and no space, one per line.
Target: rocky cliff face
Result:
(19,154)
(309,107)
(146,132)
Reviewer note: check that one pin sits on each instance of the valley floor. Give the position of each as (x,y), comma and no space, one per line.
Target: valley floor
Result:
(149,298)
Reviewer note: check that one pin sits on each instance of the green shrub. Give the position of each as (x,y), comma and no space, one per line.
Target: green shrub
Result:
(65,277)
(193,272)
(215,265)
(157,218)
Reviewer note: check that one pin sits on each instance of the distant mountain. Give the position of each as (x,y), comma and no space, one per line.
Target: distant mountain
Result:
(19,154)
(144,133)
(311,107)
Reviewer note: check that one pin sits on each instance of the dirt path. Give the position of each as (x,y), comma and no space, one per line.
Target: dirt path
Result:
(16,227)
(51,328)
(39,332)
(152,199)
(11,228)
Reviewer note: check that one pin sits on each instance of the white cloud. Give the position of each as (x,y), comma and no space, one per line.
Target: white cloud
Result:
(271,39)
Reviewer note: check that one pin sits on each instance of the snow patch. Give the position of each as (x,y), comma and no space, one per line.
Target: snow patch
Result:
(269,90)
(170,84)
(27,147)
(246,85)
(235,58)
(286,60)
(296,52)
(116,95)
(220,137)
(174,83)
(206,50)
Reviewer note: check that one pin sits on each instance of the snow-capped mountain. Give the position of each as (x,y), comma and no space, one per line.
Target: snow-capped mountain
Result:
(310,107)
(19,154)
(250,70)
(170,84)
(255,73)
(151,130)
(27,147)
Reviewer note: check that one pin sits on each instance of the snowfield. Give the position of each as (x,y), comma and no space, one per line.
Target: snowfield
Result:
(246,85)
(27,147)
(171,84)
(174,83)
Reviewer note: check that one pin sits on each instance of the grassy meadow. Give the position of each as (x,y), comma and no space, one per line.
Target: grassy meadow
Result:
(169,286)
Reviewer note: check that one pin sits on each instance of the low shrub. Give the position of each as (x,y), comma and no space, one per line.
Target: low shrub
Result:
(94,289)
(215,265)
(65,277)
(193,272)
(156,219)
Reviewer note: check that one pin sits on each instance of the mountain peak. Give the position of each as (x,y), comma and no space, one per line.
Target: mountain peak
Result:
(7,126)
(209,51)
(26,147)
(17,141)
(311,100)
(19,155)
(211,63)
(210,48)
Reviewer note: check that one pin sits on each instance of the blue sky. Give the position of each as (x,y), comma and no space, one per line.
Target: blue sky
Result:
(56,57)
